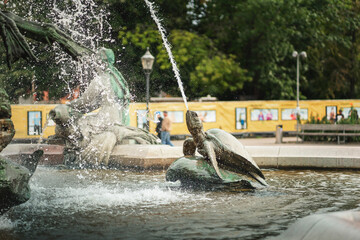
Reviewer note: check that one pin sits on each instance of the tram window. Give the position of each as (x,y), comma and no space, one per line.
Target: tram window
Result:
(290,114)
(346,111)
(264,114)
(207,115)
(331,112)
(240,118)
(141,118)
(34,123)
(175,116)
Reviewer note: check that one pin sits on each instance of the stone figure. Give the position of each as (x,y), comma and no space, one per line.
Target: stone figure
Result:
(7,130)
(14,178)
(91,138)
(221,149)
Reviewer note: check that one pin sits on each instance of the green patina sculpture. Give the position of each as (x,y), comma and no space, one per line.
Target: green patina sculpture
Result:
(225,153)
(14,29)
(118,83)
(222,149)
(89,138)
(7,130)
(196,171)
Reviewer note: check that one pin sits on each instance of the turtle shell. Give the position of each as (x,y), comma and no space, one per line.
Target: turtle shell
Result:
(231,154)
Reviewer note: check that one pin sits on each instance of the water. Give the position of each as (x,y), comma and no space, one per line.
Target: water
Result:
(42,133)
(104,204)
(168,49)
(84,21)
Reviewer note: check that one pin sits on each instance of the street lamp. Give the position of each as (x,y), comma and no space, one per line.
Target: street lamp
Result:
(147,62)
(297,56)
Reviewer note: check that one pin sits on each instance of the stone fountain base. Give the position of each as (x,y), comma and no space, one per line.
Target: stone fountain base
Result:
(161,156)
(132,156)
(144,156)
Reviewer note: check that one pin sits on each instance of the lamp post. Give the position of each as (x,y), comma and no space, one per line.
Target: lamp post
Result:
(147,62)
(297,56)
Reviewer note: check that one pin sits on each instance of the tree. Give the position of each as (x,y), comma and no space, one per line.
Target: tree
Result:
(204,69)
(263,34)
(334,54)
(230,49)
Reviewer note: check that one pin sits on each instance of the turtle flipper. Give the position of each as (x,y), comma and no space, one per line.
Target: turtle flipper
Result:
(243,165)
(209,149)
(259,179)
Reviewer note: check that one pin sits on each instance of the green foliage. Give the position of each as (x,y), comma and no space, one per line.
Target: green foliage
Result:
(230,49)
(218,76)
(318,120)
(17,81)
(204,69)
(353,119)
(263,34)
(334,52)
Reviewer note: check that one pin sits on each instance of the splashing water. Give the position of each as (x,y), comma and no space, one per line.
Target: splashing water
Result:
(86,23)
(168,49)
(42,133)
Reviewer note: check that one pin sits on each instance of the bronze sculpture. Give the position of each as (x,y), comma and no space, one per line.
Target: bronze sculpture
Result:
(89,138)
(221,149)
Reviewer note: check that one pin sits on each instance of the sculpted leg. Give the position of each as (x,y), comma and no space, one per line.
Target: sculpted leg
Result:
(139,135)
(98,151)
(189,147)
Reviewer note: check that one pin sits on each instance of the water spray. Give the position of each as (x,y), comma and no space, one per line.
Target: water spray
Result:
(168,49)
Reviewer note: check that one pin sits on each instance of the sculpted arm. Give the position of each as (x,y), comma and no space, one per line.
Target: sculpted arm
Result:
(14,28)
(90,100)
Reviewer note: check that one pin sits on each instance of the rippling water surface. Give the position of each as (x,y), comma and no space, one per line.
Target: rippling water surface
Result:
(103,204)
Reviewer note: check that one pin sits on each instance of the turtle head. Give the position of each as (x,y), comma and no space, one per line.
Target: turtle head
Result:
(193,122)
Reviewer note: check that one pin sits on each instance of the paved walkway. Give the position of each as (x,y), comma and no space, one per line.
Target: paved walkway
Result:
(287,141)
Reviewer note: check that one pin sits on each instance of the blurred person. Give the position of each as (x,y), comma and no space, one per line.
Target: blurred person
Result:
(339,116)
(261,116)
(158,120)
(165,130)
(332,116)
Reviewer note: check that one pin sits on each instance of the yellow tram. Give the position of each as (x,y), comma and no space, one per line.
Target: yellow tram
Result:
(233,116)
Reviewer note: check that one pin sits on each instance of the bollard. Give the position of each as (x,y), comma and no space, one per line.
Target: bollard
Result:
(278,134)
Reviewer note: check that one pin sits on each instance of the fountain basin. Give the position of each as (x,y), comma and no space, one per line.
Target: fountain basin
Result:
(113,204)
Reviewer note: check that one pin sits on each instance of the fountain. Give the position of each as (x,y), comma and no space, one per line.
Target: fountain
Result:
(90,139)
(99,203)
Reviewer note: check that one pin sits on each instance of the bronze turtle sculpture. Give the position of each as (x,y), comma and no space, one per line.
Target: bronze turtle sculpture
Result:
(221,149)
